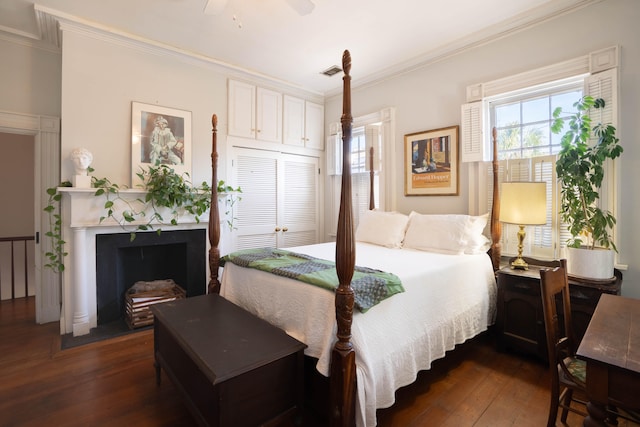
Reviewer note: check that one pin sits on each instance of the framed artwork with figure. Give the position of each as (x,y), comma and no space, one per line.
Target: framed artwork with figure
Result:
(159,136)
(431,163)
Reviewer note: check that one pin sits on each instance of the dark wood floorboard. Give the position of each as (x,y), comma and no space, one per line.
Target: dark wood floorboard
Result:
(112,383)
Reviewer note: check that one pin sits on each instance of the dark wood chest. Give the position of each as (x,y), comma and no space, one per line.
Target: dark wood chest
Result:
(232,368)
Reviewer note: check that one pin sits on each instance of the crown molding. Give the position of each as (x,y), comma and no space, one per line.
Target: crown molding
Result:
(521,22)
(24,38)
(53,24)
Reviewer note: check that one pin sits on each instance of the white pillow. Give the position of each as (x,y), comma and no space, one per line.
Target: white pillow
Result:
(382,228)
(477,242)
(478,223)
(452,234)
(436,233)
(478,245)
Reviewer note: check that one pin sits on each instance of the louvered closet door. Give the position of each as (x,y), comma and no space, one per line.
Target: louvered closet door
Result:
(279,191)
(256,215)
(299,201)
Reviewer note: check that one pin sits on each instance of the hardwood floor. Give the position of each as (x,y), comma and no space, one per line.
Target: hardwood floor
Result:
(112,383)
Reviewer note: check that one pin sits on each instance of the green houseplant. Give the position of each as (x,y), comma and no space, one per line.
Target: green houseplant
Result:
(580,169)
(168,196)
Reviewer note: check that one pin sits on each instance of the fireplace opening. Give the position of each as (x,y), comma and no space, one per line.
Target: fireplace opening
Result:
(120,263)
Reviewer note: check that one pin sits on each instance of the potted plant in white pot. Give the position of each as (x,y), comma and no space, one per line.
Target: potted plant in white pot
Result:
(580,171)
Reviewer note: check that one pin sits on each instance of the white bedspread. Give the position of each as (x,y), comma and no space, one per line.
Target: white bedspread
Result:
(447,300)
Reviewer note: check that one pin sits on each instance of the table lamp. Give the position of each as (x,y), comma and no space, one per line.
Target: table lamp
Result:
(523,203)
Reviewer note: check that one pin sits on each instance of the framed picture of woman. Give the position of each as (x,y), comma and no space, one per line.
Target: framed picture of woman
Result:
(159,136)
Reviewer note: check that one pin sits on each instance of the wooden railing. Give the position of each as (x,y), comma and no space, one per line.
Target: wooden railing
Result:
(17,260)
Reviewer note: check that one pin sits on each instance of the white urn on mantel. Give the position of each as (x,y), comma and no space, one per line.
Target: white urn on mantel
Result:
(597,263)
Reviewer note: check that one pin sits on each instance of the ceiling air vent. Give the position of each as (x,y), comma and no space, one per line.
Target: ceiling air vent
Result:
(333,70)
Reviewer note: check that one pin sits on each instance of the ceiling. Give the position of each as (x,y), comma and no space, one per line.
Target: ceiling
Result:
(269,38)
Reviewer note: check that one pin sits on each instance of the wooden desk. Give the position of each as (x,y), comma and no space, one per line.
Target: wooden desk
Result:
(611,347)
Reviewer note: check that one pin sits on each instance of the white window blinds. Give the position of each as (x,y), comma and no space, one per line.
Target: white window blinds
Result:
(541,241)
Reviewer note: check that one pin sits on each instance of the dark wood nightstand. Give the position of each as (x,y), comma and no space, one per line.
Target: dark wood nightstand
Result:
(520,322)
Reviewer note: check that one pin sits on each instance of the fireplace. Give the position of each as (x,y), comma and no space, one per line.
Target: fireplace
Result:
(82,228)
(120,263)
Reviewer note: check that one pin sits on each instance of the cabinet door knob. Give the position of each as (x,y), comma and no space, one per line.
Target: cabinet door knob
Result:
(277,229)
(284,229)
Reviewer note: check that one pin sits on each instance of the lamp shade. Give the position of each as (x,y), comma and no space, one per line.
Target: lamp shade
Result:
(523,203)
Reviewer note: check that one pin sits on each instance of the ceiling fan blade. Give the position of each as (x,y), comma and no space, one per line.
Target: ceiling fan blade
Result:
(303,7)
(214,7)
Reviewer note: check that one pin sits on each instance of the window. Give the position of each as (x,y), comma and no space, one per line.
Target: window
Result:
(362,139)
(527,149)
(520,108)
(358,151)
(524,122)
(370,131)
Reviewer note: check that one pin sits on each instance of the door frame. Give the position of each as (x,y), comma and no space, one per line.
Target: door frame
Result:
(46,132)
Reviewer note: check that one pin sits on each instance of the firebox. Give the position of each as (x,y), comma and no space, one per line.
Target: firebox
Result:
(121,262)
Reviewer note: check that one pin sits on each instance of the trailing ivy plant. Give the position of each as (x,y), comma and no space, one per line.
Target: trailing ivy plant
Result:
(57,253)
(164,189)
(230,200)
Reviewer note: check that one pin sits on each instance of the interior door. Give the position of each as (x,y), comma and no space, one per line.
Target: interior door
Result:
(279,202)
(256,173)
(298,201)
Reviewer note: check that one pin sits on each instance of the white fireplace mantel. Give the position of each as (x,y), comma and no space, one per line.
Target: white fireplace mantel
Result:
(81,212)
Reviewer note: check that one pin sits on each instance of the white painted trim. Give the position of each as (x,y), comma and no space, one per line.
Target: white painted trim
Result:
(29,40)
(46,131)
(475,92)
(604,59)
(558,71)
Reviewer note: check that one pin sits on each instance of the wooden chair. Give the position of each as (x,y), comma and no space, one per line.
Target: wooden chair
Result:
(568,374)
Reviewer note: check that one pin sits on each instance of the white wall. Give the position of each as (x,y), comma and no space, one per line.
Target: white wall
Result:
(29,78)
(430,98)
(100,80)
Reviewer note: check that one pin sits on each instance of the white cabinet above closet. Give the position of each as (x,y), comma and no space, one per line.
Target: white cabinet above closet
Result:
(303,123)
(254,112)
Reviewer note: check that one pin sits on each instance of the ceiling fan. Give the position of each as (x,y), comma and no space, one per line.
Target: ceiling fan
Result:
(302,7)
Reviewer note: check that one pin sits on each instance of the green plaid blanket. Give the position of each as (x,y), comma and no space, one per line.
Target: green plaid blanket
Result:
(369,286)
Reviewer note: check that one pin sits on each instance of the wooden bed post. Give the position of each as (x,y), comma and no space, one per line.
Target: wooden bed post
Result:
(343,367)
(214,215)
(496,225)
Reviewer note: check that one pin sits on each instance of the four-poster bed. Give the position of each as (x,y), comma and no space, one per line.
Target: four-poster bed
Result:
(458,298)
